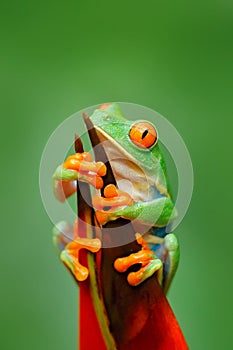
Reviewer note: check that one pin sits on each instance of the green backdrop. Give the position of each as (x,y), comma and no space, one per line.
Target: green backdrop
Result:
(59,57)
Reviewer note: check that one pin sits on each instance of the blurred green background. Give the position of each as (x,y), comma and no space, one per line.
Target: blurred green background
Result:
(59,57)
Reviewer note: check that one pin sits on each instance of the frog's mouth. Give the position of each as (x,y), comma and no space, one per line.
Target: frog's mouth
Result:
(130,177)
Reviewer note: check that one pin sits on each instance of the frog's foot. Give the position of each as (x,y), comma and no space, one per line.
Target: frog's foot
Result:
(70,256)
(148,260)
(167,249)
(80,167)
(106,206)
(68,244)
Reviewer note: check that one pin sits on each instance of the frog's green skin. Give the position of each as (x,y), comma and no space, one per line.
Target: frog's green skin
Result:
(143,173)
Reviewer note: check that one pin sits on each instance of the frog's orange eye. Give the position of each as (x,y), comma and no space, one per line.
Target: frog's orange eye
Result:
(143,134)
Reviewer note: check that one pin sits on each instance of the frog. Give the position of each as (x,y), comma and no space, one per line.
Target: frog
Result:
(142,195)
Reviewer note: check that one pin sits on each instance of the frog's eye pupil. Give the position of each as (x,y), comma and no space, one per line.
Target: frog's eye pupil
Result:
(143,134)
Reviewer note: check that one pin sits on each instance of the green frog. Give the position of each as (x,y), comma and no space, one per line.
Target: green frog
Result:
(142,196)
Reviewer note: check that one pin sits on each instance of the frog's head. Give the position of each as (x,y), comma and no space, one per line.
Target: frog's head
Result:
(133,151)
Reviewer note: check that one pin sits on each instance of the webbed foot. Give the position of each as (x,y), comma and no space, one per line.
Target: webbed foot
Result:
(70,256)
(148,260)
(78,166)
(68,244)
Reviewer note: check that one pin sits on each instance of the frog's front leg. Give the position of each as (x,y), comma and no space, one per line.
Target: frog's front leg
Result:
(80,167)
(68,244)
(157,212)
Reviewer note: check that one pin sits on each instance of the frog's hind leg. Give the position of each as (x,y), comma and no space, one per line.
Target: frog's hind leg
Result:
(150,264)
(171,259)
(68,244)
(168,251)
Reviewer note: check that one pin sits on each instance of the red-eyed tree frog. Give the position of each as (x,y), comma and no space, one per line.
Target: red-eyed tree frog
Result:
(142,196)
